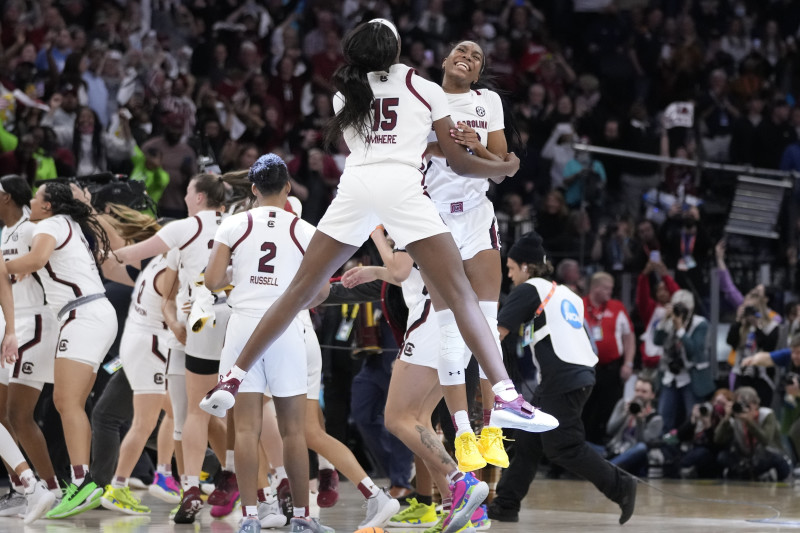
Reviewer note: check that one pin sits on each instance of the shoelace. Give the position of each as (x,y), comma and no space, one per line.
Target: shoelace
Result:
(494,436)
(413,505)
(469,445)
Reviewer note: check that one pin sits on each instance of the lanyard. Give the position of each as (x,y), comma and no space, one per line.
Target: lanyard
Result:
(353,314)
(546,299)
(691,240)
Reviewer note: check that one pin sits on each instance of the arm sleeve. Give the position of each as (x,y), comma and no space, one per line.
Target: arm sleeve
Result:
(672,285)
(178,233)
(732,294)
(617,418)
(519,307)
(496,118)
(644,303)
(782,357)
(653,429)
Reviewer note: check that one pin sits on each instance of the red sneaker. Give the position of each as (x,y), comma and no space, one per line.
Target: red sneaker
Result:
(222,397)
(226,487)
(191,504)
(285,499)
(328,488)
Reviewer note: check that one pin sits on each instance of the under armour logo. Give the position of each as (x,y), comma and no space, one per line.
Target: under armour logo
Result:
(458,373)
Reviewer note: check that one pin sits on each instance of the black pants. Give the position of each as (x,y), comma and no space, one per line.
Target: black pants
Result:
(565,446)
(607,391)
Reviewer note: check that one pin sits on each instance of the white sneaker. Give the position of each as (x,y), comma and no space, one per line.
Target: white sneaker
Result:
(380,509)
(309,525)
(269,513)
(519,414)
(39,502)
(136,484)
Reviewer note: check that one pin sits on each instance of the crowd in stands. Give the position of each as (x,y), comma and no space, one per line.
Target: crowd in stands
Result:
(158,89)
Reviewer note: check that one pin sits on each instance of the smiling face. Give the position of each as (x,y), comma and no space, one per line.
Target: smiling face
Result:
(40,208)
(465,63)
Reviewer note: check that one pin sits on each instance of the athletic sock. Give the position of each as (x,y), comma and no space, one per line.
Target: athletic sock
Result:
(53,486)
(79,473)
(280,475)
(119,482)
(447,503)
(487,418)
(506,390)
(230,466)
(190,481)
(425,500)
(300,512)
(461,423)
(237,373)
(454,476)
(250,511)
(324,464)
(28,481)
(164,469)
(368,488)
(16,483)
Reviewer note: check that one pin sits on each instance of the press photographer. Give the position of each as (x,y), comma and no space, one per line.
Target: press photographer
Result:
(634,427)
(686,371)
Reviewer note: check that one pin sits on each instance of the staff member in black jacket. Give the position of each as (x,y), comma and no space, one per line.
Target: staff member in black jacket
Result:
(550,318)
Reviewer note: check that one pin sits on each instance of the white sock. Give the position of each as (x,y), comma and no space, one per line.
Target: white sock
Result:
(324,464)
(280,475)
(119,482)
(190,481)
(28,481)
(251,511)
(300,512)
(165,470)
(79,473)
(462,423)
(236,372)
(368,486)
(230,466)
(506,390)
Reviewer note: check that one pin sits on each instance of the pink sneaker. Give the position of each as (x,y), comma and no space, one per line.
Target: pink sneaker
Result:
(165,488)
(468,495)
(226,487)
(519,414)
(220,511)
(222,397)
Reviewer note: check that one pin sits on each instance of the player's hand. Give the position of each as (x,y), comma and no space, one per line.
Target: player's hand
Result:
(179,330)
(358,276)
(513,160)
(465,136)
(9,349)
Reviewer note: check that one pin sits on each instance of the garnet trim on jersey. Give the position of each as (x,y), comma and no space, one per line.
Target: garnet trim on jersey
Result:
(246,232)
(75,289)
(72,316)
(69,236)
(37,338)
(154,348)
(294,237)
(421,320)
(414,91)
(197,234)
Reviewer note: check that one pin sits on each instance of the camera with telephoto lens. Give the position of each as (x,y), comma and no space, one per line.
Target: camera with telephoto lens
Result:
(790,378)
(705,409)
(636,406)
(680,310)
(738,408)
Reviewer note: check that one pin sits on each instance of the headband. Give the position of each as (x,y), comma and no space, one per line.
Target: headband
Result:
(388,25)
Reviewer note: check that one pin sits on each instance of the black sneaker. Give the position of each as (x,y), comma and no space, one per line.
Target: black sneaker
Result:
(628,499)
(191,505)
(502,514)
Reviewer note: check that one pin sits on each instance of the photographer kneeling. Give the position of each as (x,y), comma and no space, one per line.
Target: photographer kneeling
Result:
(789,359)
(751,440)
(634,427)
(686,370)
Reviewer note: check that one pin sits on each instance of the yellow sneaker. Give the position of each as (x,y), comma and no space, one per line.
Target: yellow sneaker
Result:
(467,454)
(491,447)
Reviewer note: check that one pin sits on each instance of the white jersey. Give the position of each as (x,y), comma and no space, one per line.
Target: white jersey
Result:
(193,237)
(16,242)
(267,245)
(405,108)
(415,294)
(145,309)
(482,110)
(71,271)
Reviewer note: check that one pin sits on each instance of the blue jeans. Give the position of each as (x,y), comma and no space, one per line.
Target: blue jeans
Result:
(633,460)
(675,404)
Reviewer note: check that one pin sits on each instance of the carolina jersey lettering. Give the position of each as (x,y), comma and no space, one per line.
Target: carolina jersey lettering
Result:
(403,112)
(482,110)
(267,245)
(145,308)
(71,271)
(16,242)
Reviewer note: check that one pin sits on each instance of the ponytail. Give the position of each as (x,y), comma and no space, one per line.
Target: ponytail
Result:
(369,47)
(213,186)
(62,202)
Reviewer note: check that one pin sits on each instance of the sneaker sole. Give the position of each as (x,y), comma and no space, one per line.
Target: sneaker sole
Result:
(411,524)
(221,511)
(471,467)
(461,518)
(13,511)
(273,521)
(40,509)
(164,495)
(111,506)
(92,502)
(484,527)
(508,419)
(383,516)
(218,404)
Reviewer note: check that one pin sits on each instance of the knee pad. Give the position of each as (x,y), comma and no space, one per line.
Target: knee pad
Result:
(489,310)
(451,350)
(177,397)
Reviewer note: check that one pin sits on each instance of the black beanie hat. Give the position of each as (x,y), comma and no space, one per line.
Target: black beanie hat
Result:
(528,249)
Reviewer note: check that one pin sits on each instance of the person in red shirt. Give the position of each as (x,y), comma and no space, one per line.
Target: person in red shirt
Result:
(654,288)
(612,331)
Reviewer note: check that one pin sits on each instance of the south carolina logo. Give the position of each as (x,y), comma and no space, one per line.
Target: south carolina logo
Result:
(571,315)
(480,111)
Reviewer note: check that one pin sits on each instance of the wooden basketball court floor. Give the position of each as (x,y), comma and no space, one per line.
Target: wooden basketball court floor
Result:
(551,506)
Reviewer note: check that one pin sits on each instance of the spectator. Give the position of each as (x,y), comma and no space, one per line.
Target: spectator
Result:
(717,114)
(558,149)
(751,440)
(774,134)
(633,428)
(639,177)
(179,160)
(568,273)
(551,219)
(585,180)
(63,107)
(696,436)
(686,246)
(613,249)
(57,46)
(612,331)
(654,290)
(687,376)
(744,136)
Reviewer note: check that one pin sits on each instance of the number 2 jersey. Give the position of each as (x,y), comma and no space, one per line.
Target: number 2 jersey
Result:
(145,309)
(404,110)
(16,242)
(267,245)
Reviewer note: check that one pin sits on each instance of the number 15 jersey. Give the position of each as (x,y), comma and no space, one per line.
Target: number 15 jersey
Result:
(267,245)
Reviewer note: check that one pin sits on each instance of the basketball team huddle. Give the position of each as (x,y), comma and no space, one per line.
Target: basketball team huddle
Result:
(219,327)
